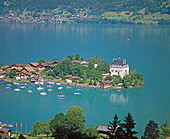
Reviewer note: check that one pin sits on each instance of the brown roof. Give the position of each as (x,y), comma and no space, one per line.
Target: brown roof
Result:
(29,69)
(44,64)
(19,65)
(6,130)
(49,62)
(34,64)
(168,138)
(5,67)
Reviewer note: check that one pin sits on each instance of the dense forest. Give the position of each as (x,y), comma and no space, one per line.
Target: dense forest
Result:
(86,11)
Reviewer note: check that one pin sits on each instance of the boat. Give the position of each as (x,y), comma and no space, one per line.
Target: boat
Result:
(49,86)
(15,83)
(10,125)
(8,84)
(37,83)
(7,87)
(77,93)
(43,93)
(78,90)
(40,88)
(17,89)
(69,87)
(118,90)
(22,86)
(61,96)
(60,88)
(57,83)
(50,90)
(29,91)
(51,82)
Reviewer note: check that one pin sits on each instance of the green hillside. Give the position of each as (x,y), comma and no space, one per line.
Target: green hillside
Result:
(88,11)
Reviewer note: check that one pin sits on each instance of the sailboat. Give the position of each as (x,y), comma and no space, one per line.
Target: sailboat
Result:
(60,95)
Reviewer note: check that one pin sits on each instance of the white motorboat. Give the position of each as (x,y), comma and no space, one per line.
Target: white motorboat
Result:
(17,89)
(43,93)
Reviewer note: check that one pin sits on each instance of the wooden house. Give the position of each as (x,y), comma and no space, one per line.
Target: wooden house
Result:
(5,67)
(103,130)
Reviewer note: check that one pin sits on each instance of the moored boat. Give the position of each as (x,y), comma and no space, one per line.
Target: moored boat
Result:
(40,88)
(61,96)
(43,93)
(17,89)
(29,91)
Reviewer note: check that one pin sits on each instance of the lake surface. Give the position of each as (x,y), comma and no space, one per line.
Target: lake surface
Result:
(146,48)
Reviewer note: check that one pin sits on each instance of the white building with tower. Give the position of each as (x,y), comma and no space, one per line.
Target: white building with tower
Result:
(119,67)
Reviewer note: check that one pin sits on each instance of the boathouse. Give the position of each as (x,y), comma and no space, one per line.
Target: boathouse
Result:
(119,67)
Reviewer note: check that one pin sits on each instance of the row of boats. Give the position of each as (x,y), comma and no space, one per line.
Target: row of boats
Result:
(22,85)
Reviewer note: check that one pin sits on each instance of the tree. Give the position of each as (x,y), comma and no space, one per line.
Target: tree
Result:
(90,82)
(75,119)
(57,126)
(54,59)
(82,58)
(90,65)
(151,130)
(36,127)
(1,65)
(164,129)
(95,83)
(11,74)
(91,132)
(128,125)
(40,61)
(77,57)
(115,130)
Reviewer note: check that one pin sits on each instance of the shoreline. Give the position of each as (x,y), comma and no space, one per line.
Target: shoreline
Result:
(79,85)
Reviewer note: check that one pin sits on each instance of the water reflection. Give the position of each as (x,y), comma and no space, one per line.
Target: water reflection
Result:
(118,99)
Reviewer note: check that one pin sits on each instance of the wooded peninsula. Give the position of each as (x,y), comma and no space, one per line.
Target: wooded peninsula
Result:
(73,70)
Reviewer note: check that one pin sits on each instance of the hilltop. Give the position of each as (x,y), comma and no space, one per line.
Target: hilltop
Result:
(86,11)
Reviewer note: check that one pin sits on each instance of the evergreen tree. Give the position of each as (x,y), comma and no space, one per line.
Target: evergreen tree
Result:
(151,130)
(128,125)
(115,130)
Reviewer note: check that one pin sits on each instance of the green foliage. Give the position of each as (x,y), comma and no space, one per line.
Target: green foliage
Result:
(164,129)
(1,65)
(77,57)
(91,132)
(40,61)
(11,74)
(134,79)
(36,127)
(94,83)
(151,130)
(54,59)
(128,125)
(90,82)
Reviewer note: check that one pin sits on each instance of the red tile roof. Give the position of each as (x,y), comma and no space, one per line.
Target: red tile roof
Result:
(6,130)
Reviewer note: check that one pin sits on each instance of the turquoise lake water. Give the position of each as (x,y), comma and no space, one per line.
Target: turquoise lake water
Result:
(147,50)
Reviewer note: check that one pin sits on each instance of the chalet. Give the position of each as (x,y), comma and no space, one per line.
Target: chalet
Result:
(103,130)
(50,67)
(34,65)
(105,84)
(119,67)
(84,63)
(2,74)
(50,62)
(23,75)
(5,133)
(76,61)
(71,78)
(27,69)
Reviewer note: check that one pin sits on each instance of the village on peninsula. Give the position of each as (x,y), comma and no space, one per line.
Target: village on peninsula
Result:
(75,71)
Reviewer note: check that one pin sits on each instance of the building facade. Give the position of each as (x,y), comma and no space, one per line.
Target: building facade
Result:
(119,67)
